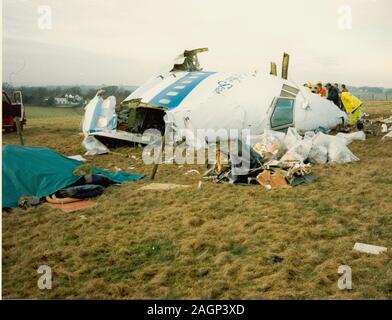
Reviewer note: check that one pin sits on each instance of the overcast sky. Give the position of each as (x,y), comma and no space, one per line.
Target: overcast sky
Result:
(125,41)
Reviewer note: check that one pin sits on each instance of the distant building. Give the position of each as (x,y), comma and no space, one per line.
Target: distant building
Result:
(69,100)
(78,98)
(61,100)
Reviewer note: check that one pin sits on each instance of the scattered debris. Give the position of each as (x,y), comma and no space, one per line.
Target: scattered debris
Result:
(77,157)
(163,186)
(387,120)
(378,126)
(274,260)
(387,136)
(74,206)
(191,172)
(279,160)
(28,201)
(384,128)
(118,154)
(93,146)
(272,179)
(368,248)
(199,185)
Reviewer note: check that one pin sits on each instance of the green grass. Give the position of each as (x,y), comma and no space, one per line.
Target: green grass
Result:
(208,243)
(36,112)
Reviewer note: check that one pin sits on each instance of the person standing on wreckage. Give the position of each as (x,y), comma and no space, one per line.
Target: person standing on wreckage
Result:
(333,94)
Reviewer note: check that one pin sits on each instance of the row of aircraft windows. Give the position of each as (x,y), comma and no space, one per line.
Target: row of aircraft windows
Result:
(180,87)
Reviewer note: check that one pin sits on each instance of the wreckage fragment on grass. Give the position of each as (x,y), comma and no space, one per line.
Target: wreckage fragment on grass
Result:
(368,248)
(163,186)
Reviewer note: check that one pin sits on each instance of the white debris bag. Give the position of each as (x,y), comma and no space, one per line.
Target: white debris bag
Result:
(336,146)
(292,138)
(389,135)
(318,155)
(338,152)
(321,139)
(348,138)
(298,153)
(269,142)
(93,146)
(309,135)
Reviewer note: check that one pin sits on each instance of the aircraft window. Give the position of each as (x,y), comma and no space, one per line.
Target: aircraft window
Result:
(285,94)
(290,89)
(164,101)
(283,114)
(179,87)
(172,93)
(187,81)
(288,92)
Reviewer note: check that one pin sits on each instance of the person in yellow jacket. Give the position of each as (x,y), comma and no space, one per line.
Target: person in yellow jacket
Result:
(352,105)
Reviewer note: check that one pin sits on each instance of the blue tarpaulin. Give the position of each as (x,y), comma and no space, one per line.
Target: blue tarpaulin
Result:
(40,171)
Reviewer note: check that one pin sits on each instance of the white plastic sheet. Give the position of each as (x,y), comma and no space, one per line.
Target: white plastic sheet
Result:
(77,157)
(336,146)
(318,155)
(269,142)
(339,153)
(292,138)
(348,138)
(317,148)
(298,153)
(389,135)
(93,146)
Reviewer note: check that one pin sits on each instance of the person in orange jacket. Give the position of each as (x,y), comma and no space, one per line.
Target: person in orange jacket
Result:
(320,90)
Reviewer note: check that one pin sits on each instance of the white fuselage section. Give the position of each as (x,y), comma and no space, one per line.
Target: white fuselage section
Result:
(207,100)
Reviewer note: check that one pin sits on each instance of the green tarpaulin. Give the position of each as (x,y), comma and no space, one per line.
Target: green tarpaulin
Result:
(41,171)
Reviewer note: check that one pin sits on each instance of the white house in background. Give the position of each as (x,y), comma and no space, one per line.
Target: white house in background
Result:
(68,100)
(61,100)
(78,98)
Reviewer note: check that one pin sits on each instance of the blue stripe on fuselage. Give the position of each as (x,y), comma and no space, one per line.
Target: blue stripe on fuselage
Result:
(173,95)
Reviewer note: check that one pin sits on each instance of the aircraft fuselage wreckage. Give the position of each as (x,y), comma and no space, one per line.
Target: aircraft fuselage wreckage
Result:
(187,97)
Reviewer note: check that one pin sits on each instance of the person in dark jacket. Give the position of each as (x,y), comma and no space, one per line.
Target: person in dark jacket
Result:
(333,94)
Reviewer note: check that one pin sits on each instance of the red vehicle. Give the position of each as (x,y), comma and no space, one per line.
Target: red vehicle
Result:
(13,110)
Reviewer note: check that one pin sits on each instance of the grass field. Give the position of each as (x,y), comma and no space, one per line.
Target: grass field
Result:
(207,243)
